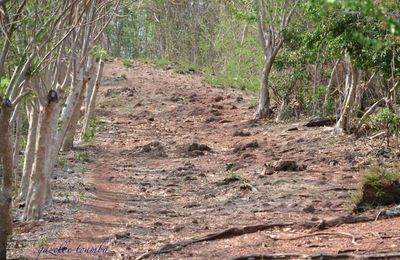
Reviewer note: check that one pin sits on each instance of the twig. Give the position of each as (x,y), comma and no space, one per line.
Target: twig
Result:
(377,135)
(379,213)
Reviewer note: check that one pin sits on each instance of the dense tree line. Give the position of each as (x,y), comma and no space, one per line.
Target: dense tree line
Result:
(47,68)
(304,58)
(332,58)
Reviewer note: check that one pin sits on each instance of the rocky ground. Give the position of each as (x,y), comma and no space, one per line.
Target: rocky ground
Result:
(175,159)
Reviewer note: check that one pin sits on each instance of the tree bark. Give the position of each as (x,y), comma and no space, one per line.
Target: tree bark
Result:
(283,109)
(68,142)
(329,88)
(344,122)
(272,38)
(37,189)
(33,113)
(92,103)
(263,110)
(17,148)
(6,160)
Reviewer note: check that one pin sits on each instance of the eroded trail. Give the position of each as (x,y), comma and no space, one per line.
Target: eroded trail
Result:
(178,159)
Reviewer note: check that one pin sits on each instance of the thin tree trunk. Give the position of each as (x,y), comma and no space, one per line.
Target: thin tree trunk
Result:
(315,85)
(6,160)
(344,121)
(68,142)
(282,111)
(329,88)
(263,110)
(92,103)
(29,151)
(17,148)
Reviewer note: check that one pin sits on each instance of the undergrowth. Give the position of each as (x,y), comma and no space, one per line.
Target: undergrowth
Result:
(375,185)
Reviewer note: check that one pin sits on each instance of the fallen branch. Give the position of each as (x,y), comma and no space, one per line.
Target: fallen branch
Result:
(228,233)
(369,112)
(377,135)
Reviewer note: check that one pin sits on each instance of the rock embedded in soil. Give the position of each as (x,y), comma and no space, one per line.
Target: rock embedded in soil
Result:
(154,150)
(246,156)
(242,147)
(218,98)
(199,147)
(288,165)
(241,133)
(230,179)
(120,92)
(212,119)
(309,209)
(217,106)
(123,235)
(293,129)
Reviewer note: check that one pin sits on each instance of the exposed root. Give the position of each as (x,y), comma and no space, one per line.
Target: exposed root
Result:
(234,232)
(228,233)
(352,237)
(318,256)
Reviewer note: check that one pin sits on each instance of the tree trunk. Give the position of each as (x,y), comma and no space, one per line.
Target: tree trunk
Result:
(68,142)
(329,88)
(263,110)
(29,151)
(17,148)
(92,102)
(37,188)
(74,103)
(52,152)
(6,160)
(344,122)
(283,109)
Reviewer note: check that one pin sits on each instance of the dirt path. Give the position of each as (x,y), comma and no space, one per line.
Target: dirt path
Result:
(154,181)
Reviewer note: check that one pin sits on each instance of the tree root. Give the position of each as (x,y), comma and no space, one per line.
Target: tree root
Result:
(353,238)
(349,219)
(234,232)
(227,233)
(318,256)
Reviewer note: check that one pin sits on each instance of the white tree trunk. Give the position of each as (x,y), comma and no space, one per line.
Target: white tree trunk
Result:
(17,147)
(33,113)
(6,161)
(36,195)
(263,110)
(344,122)
(92,101)
(68,142)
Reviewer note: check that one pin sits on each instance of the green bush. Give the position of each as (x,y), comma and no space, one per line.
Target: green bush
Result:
(379,186)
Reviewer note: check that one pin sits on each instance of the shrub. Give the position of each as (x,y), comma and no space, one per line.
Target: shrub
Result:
(379,186)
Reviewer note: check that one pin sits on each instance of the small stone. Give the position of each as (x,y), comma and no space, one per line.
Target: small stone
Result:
(218,98)
(309,209)
(122,235)
(241,133)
